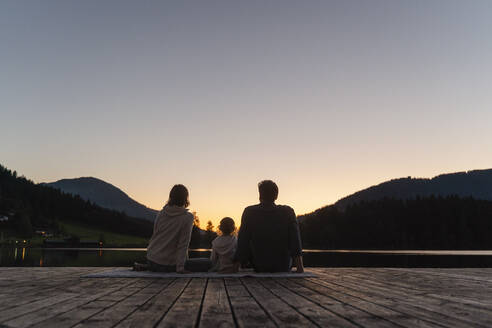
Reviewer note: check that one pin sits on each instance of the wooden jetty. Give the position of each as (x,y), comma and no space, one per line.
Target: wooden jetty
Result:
(338,297)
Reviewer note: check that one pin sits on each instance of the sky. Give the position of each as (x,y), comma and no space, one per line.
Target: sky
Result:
(323,97)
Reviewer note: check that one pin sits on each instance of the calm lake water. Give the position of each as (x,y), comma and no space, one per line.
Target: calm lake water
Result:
(325,258)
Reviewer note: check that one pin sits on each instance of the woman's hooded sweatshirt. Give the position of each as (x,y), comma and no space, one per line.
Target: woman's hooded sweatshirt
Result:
(171,237)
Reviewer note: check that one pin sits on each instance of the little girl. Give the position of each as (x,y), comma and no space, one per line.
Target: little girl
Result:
(224,247)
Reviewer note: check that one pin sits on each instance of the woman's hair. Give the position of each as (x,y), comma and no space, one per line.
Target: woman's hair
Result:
(178,196)
(227,226)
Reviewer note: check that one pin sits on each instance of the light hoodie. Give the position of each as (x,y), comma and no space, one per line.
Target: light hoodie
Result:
(223,249)
(171,237)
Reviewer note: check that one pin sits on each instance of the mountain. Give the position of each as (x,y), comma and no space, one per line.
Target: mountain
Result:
(476,184)
(105,195)
(428,222)
(31,207)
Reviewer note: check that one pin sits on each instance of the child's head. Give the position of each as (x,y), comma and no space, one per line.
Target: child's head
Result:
(227,226)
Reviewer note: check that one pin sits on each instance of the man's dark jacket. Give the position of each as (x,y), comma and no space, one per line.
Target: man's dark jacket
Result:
(268,237)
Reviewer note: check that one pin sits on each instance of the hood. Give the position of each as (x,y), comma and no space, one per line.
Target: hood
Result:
(174,210)
(224,244)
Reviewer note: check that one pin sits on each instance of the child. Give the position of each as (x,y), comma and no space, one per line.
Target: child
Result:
(224,247)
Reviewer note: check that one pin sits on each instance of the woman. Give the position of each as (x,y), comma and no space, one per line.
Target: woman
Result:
(168,246)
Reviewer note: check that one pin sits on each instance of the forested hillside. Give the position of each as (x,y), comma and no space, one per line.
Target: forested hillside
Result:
(31,206)
(475,183)
(422,223)
(104,194)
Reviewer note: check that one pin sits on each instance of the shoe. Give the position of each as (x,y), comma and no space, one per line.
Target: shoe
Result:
(140,267)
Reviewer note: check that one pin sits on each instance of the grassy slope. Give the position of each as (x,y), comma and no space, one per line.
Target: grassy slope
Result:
(111,238)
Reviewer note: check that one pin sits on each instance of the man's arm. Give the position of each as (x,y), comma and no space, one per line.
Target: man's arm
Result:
(243,251)
(295,247)
(298,263)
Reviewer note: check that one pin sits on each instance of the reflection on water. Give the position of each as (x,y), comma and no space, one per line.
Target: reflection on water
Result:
(327,258)
(68,257)
(402,252)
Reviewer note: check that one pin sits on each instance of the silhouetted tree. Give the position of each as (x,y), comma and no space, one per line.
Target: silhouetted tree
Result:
(23,225)
(39,205)
(196,232)
(421,223)
(210,234)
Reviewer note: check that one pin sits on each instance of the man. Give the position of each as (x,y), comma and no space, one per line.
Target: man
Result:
(269,234)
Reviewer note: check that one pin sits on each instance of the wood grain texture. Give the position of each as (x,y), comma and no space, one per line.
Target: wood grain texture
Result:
(338,297)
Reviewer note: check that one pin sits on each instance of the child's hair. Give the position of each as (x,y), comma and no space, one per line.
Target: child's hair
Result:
(227,226)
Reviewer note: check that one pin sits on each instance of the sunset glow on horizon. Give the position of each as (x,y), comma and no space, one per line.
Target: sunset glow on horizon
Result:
(323,97)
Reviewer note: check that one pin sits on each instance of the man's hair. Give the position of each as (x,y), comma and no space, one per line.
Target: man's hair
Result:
(268,191)
(178,196)
(227,226)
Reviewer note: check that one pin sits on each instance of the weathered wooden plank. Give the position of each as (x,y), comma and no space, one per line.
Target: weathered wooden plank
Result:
(458,311)
(79,287)
(247,311)
(120,310)
(31,276)
(421,281)
(91,294)
(311,310)
(30,281)
(149,314)
(72,317)
(11,313)
(89,308)
(185,311)
(367,297)
(34,290)
(281,313)
(405,306)
(469,292)
(343,310)
(216,310)
(486,274)
(374,309)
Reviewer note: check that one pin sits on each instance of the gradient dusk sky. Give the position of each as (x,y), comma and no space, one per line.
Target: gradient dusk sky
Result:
(323,97)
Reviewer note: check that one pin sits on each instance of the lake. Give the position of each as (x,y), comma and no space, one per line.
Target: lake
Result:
(38,257)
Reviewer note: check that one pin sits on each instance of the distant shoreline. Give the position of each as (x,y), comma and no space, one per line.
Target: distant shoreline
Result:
(363,251)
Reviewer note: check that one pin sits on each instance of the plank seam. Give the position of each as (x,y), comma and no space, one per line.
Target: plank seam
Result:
(351,281)
(378,304)
(280,298)
(172,304)
(451,275)
(89,301)
(319,304)
(197,324)
(230,304)
(117,302)
(134,310)
(345,303)
(55,286)
(420,292)
(259,304)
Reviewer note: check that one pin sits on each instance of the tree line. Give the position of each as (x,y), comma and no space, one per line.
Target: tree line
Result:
(431,222)
(37,206)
